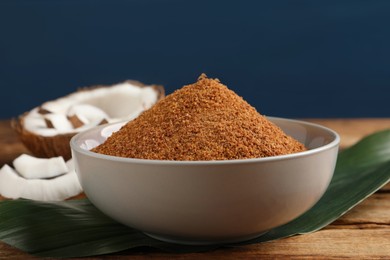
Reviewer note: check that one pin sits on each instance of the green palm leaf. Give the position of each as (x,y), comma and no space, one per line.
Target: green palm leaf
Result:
(76,228)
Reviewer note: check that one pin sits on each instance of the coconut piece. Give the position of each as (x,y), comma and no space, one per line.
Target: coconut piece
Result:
(75,121)
(60,188)
(104,121)
(43,111)
(89,144)
(60,122)
(88,114)
(57,189)
(11,184)
(107,131)
(120,102)
(31,167)
(70,165)
(49,124)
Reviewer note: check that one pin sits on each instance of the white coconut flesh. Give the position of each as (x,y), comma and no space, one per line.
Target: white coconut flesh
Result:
(31,167)
(88,108)
(55,187)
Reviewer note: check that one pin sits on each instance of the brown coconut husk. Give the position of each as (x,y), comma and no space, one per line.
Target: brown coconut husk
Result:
(58,145)
(43,146)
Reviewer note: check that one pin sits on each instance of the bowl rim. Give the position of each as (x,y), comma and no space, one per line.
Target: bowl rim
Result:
(334,143)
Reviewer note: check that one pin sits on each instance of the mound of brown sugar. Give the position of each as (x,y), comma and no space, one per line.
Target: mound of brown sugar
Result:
(201,121)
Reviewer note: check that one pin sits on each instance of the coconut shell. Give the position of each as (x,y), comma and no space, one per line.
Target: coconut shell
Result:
(43,146)
(58,145)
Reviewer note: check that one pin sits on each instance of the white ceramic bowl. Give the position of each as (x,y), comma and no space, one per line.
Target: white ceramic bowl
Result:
(206,202)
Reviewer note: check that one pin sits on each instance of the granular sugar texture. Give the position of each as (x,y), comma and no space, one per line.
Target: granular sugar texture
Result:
(201,121)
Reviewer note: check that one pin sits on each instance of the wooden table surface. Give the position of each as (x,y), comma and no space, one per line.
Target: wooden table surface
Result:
(363,233)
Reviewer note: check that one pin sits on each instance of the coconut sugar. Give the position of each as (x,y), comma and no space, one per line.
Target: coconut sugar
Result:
(201,121)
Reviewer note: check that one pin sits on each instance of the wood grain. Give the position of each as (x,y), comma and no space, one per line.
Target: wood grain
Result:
(362,233)
(352,130)
(373,211)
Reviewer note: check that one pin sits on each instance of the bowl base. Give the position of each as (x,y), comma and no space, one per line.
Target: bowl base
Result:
(183,241)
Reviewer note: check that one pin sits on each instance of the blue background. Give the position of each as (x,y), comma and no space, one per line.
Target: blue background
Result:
(286,58)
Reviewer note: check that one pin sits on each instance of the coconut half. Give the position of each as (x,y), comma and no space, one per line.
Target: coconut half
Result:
(46,130)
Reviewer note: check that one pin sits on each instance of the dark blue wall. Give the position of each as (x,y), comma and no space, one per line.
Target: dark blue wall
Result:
(286,58)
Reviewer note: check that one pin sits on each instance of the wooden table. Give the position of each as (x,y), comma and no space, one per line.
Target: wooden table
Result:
(363,233)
